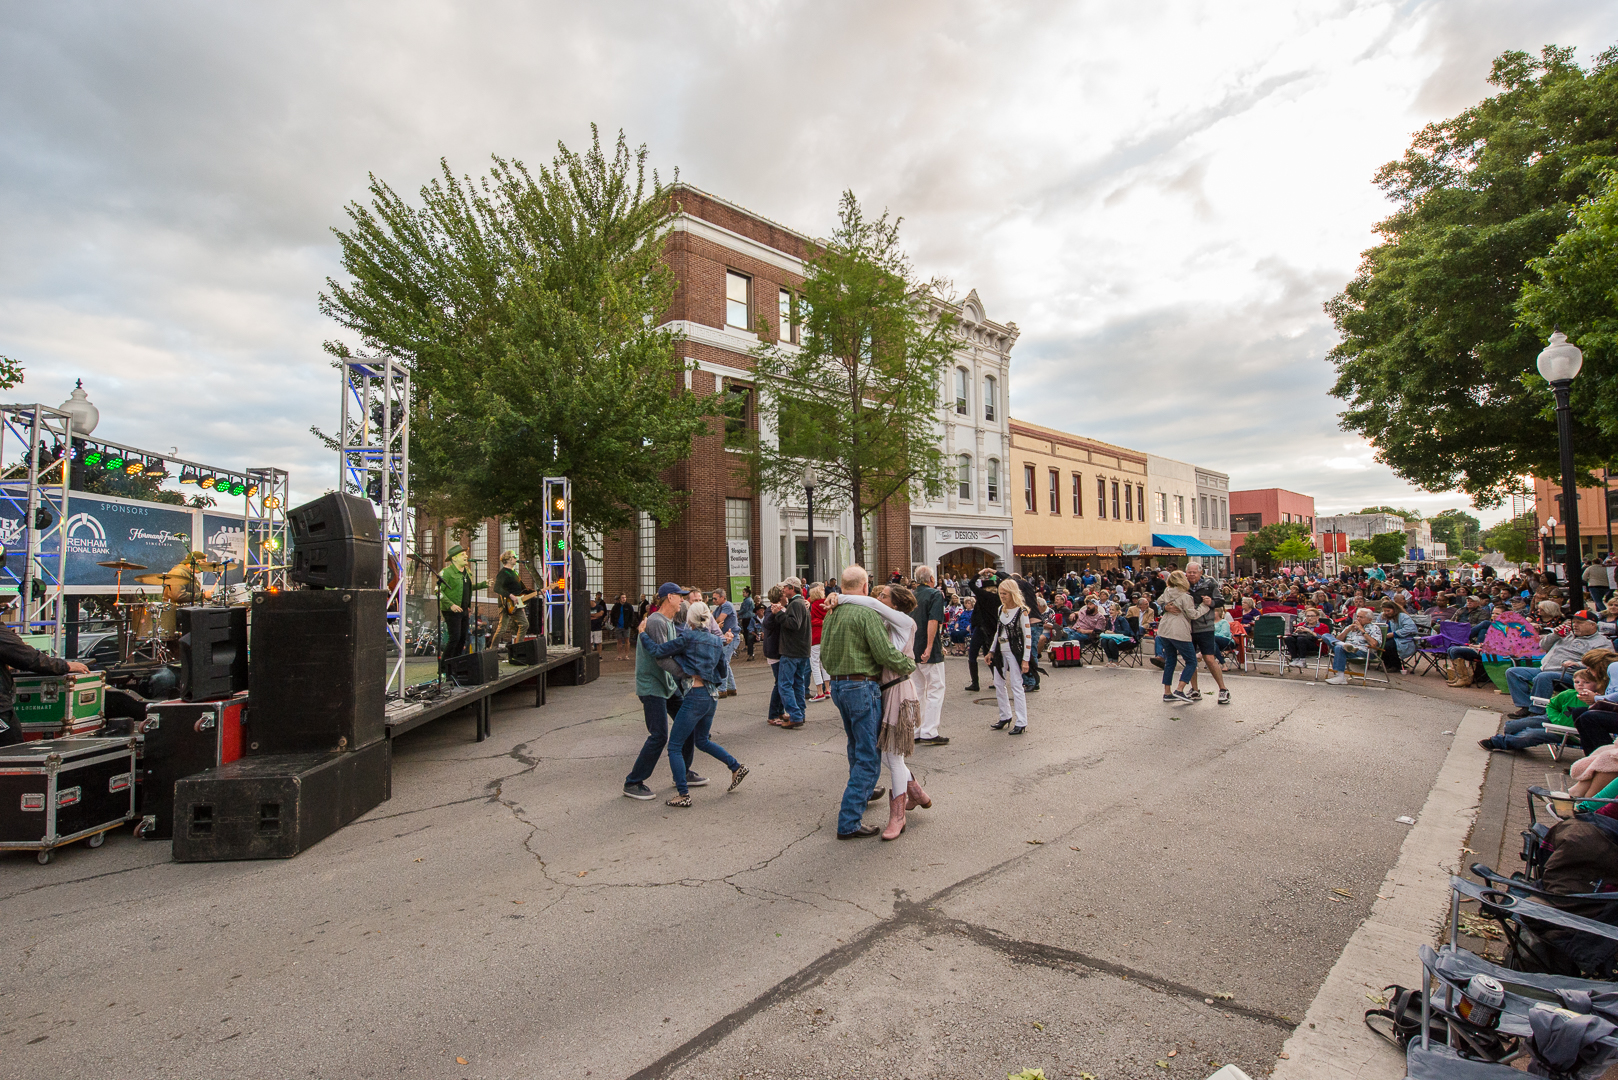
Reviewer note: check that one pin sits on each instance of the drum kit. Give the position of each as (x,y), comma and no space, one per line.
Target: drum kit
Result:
(147,629)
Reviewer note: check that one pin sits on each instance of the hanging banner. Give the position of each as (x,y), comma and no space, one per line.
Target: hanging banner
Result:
(740,556)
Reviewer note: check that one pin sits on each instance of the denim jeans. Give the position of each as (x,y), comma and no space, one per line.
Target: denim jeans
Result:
(695,722)
(1522,733)
(1175,651)
(1341,654)
(1531,682)
(659,711)
(860,704)
(775,691)
(792,675)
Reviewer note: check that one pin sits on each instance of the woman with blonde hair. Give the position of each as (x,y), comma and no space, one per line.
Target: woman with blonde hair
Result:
(1174,632)
(1009,650)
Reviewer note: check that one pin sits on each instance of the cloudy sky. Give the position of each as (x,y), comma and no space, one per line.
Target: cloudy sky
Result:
(1160,195)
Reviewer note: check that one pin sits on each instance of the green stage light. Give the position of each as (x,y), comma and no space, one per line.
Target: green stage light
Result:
(115,463)
(94,457)
(237,488)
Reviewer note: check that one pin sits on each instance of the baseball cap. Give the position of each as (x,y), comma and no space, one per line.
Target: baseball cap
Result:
(669,588)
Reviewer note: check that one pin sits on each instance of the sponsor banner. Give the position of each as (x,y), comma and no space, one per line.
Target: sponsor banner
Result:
(222,538)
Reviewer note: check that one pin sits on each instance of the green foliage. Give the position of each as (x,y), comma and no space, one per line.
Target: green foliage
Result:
(1435,364)
(10,372)
(1456,528)
(1466,555)
(1261,545)
(1408,515)
(859,398)
(527,308)
(1510,538)
(1295,549)
(1576,289)
(124,486)
(1358,559)
(1388,547)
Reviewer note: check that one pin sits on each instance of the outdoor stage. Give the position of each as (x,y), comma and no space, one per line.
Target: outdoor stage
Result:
(405,714)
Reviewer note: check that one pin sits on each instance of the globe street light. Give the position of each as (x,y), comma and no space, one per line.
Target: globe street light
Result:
(809,493)
(1546,536)
(1559,364)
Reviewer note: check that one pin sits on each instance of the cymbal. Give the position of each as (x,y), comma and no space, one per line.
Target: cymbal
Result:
(213,567)
(122,564)
(170,578)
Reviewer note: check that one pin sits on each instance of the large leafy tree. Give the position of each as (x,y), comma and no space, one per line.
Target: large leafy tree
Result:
(1510,538)
(527,308)
(1435,363)
(1457,529)
(859,397)
(1262,545)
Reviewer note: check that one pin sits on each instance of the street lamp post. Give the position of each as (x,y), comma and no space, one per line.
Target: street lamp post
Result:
(809,497)
(1545,535)
(1559,363)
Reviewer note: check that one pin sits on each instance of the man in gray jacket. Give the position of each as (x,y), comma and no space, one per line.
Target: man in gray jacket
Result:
(793,624)
(660,685)
(1564,651)
(1202,627)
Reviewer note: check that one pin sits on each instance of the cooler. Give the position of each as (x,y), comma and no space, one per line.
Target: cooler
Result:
(1066,654)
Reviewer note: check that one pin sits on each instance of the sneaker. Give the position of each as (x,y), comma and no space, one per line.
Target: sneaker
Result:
(1181,695)
(737,777)
(1170,699)
(638,791)
(1338,679)
(1157,661)
(693,780)
(1224,697)
(1195,695)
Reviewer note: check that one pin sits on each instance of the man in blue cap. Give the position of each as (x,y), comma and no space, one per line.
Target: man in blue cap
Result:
(660,685)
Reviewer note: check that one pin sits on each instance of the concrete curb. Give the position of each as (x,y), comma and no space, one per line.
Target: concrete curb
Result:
(1412,906)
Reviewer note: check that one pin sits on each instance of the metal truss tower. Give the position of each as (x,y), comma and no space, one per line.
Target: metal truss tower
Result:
(265,560)
(35,453)
(557,561)
(374,463)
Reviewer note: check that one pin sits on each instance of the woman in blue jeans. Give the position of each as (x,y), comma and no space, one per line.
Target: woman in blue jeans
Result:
(1174,634)
(701,654)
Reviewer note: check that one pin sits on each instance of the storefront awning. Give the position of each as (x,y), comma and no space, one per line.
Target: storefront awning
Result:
(1191,544)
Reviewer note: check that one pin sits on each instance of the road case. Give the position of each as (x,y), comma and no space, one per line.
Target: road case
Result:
(58,791)
(58,699)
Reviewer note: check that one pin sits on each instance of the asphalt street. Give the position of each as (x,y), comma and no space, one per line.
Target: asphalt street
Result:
(1128,891)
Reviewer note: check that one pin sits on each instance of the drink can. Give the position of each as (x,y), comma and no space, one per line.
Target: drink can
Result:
(1481,1001)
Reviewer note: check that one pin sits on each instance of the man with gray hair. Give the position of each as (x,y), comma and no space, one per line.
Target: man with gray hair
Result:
(929,673)
(1202,627)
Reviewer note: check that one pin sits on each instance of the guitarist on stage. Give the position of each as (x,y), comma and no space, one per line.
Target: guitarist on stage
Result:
(513,601)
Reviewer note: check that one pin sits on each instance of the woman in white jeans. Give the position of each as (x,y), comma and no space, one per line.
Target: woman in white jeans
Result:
(901,703)
(1008,663)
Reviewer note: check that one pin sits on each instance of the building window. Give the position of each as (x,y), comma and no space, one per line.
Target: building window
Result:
(737,290)
(918,544)
(990,398)
(646,555)
(594,565)
(1223,512)
(1029,499)
(738,405)
(1140,502)
(786,315)
(1245,523)
(992,483)
(1056,492)
(1129,502)
(1202,510)
(1115,500)
(1312,520)
(1078,497)
(963,478)
(1163,507)
(1179,509)
(962,383)
(1101,498)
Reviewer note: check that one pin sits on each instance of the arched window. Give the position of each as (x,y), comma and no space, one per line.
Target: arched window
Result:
(963,477)
(992,484)
(990,399)
(963,390)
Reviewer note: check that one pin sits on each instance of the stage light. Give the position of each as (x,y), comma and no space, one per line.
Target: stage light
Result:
(559,503)
(272,544)
(115,462)
(94,457)
(188,476)
(207,482)
(252,489)
(237,488)
(134,468)
(271,502)
(157,470)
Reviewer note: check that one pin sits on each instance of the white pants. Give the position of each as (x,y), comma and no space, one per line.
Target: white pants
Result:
(929,680)
(817,674)
(1010,671)
(898,773)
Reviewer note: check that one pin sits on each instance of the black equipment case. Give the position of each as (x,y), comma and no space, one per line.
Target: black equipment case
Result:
(61,790)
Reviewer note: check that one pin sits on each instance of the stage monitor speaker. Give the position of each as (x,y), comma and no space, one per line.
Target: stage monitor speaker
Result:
(274,807)
(180,739)
(318,670)
(473,669)
(527,651)
(336,543)
(213,652)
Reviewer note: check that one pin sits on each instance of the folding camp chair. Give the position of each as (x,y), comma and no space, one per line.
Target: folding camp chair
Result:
(1434,650)
(1264,639)
(1541,939)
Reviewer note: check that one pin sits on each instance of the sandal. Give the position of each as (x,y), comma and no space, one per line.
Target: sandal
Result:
(679,800)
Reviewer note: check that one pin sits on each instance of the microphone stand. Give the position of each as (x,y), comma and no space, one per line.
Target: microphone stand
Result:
(438,621)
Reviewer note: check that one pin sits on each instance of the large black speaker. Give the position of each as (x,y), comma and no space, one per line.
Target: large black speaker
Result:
(213,652)
(319,670)
(275,807)
(473,669)
(527,651)
(336,543)
(581,602)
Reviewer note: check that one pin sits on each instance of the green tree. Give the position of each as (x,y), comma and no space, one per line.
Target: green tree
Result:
(1575,289)
(1408,515)
(1510,538)
(1435,363)
(1388,547)
(859,397)
(1358,559)
(1261,545)
(1466,555)
(10,373)
(527,308)
(1457,529)
(1295,549)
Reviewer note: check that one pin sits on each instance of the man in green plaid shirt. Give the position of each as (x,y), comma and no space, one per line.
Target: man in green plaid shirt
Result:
(854,648)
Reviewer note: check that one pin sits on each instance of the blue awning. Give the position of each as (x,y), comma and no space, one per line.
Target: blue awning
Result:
(1192,545)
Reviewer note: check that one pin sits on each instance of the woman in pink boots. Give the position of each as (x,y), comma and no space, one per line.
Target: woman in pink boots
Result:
(901,706)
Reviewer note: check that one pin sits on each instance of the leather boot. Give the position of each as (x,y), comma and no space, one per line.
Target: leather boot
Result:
(896,818)
(915,797)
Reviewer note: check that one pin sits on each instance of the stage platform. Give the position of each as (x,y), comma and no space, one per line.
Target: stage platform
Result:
(405,715)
